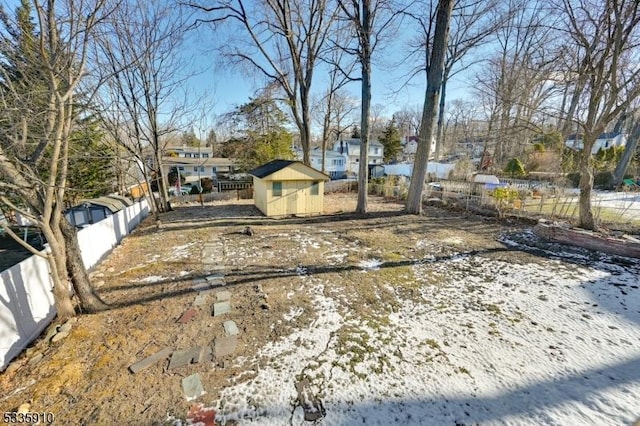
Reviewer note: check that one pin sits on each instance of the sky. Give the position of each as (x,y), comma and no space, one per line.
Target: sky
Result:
(230,88)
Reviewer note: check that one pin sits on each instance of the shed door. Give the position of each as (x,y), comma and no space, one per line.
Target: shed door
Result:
(296,197)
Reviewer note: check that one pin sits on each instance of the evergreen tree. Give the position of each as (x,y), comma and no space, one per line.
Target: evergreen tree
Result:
(391,141)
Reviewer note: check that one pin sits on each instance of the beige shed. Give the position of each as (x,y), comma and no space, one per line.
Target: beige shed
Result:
(284,187)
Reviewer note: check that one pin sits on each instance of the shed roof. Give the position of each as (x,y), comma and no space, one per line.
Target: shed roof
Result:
(114,203)
(270,168)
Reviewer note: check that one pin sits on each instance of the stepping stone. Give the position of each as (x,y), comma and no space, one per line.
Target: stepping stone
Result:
(312,406)
(200,299)
(188,315)
(185,357)
(231,328)
(216,282)
(192,387)
(200,284)
(224,346)
(223,296)
(141,365)
(215,276)
(221,308)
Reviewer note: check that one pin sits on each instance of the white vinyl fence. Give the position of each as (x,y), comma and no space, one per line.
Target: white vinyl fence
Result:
(26,299)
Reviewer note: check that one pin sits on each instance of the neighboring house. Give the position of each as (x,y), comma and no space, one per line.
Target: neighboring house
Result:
(604,141)
(185,151)
(286,187)
(94,210)
(410,147)
(335,164)
(197,168)
(472,148)
(351,149)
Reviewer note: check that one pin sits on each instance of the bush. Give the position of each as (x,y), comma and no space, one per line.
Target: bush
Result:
(603,179)
(574,178)
(515,168)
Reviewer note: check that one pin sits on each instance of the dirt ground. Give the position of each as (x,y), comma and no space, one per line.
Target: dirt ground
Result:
(148,282)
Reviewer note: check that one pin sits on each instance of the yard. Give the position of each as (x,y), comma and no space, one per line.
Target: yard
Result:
(441,319)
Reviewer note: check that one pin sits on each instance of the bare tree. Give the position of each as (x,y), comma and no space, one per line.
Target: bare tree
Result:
(408,120)
(369,19)
(41,108)
(517,80)
(336,110)
(607,34)
(145,97)
(473,25)
(430,110)
(283,40)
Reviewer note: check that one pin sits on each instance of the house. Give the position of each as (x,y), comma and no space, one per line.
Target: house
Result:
(194,169)
(335,164)
(351,149)
(287,187)
(410,147)
(185,151)
(604,141)
(94,210)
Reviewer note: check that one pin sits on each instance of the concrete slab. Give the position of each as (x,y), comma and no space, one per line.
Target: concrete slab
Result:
(200,284)
(185,357)
(224,346)
(221,308)
(217,282)
(231,328)
(201,299)
(192,387)
(150,360)
(222,296)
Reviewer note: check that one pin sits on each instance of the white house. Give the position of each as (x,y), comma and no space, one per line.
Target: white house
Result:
(195,168)
(604,141)
(335,164)
(351,149)
(185,151)
(410,147)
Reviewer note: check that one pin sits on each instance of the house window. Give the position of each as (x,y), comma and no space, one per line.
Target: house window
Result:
(315,188)
(181,168)
(277,189)
(205,155)
(213,169)
(195,168)
(202,168)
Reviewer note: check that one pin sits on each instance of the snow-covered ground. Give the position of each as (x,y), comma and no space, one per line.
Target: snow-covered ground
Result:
(552,339)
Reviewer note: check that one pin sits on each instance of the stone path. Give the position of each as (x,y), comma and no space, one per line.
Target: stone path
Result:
(223,345)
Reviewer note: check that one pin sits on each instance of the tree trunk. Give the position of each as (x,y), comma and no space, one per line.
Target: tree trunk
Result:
(89,300)
(440,132)
(430,110)
(62,299)
(365,63)
(586,219)
(629,149)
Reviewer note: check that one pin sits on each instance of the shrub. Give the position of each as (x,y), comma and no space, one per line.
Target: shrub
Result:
(515,168)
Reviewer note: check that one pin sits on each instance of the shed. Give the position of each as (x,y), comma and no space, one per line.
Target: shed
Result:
(94,210)
(285,187)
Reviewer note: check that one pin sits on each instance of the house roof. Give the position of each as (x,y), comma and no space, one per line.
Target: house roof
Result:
(277,165)
(356,142)
(609,135)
